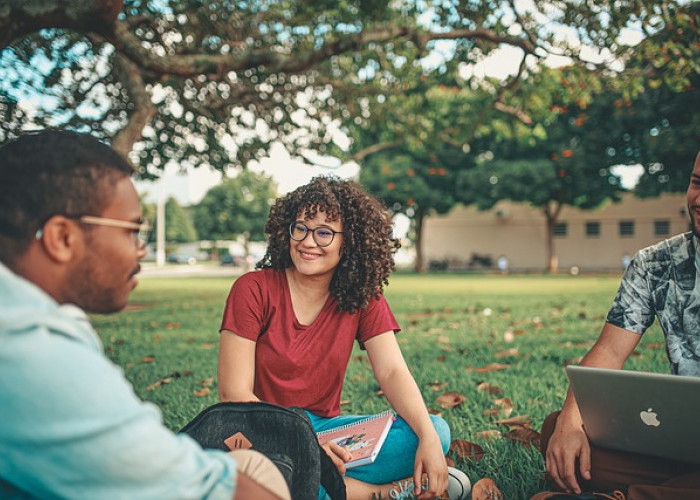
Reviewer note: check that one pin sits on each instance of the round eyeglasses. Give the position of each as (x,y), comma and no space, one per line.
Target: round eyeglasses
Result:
(323,236)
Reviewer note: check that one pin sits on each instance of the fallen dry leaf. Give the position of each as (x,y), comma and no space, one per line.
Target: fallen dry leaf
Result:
(504,407)
(493,367)
(486,489)
(524,436)
(486,435)
(443,340)
(160,382)
(488,388)
(345,402)
(522,420)
(148,359)
(450,399)
(507,353)
(172,326)
(202,392)
(441,358)
(358,377)
(208,345)
(505,404)
(380,392)
(466,450)
(207,382)
(654,345)
(437,386)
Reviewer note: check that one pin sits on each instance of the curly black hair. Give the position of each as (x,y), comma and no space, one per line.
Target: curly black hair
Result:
(367,252)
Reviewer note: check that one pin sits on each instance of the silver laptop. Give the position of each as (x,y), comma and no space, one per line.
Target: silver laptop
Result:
(649,413)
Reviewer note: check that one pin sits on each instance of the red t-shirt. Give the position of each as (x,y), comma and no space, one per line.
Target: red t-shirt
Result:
(295,364)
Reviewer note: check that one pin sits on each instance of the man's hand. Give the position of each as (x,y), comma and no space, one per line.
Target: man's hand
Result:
(338,454)
(568,443)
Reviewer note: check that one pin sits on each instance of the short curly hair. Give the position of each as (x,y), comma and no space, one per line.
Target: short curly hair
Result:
(367,252)
(49,172)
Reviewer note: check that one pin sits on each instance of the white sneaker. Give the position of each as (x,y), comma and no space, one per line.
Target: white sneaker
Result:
(458,487)
(458,484)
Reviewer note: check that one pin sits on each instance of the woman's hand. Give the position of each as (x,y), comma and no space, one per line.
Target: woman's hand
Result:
(338,455)
(430,461)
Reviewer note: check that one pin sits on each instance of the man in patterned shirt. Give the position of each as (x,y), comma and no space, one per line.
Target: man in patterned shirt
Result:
(659,282)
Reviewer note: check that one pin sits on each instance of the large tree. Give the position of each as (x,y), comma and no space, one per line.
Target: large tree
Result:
(214,81)
(410,155)
(238,206)
(568,157)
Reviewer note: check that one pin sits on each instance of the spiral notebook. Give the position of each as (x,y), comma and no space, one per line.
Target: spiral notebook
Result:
(363,439)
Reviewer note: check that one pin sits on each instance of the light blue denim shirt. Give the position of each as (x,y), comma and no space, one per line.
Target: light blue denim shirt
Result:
(71,425)
(662,281)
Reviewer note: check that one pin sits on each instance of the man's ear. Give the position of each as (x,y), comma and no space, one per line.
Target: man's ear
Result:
(61,239)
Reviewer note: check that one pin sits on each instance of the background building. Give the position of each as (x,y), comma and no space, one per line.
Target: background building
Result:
(591,240)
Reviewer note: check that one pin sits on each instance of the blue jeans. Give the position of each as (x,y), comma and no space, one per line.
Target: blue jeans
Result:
(397,456)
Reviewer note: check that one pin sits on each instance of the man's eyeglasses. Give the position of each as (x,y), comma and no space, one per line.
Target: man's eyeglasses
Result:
(323,236)
(141,230)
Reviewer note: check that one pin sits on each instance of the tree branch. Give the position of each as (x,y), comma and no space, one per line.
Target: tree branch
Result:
(142,109)
(375,148)
(518,113)
(482,34)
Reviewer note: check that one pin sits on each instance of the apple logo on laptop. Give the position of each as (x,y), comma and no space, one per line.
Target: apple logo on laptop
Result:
(649,417)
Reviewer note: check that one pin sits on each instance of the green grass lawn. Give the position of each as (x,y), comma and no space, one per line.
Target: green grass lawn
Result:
(453,325)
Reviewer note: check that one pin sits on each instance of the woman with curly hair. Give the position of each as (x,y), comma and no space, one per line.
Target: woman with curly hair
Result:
(288,332)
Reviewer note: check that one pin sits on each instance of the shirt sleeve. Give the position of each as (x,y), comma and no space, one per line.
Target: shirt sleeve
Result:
(633,308)
(73,428)
(376,319)
(244,313)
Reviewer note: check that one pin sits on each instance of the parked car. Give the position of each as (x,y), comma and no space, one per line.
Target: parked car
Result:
(182,258)
(230,260)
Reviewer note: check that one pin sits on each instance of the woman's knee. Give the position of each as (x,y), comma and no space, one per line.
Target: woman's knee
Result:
(443,432)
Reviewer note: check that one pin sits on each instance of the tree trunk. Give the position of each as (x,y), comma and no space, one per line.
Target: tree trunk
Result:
(246,253)
(551,213)
(418,225)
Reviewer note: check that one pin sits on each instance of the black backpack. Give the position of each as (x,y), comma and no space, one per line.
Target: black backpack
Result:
(282,434)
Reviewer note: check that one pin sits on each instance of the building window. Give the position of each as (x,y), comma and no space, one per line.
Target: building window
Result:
(626,228)
(560,229)
(662,227)
(592,229)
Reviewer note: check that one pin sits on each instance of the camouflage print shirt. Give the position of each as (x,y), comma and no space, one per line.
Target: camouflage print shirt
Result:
(661,281)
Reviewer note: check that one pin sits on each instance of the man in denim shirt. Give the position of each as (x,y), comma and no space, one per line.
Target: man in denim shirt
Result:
(71,237)
(660,282)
